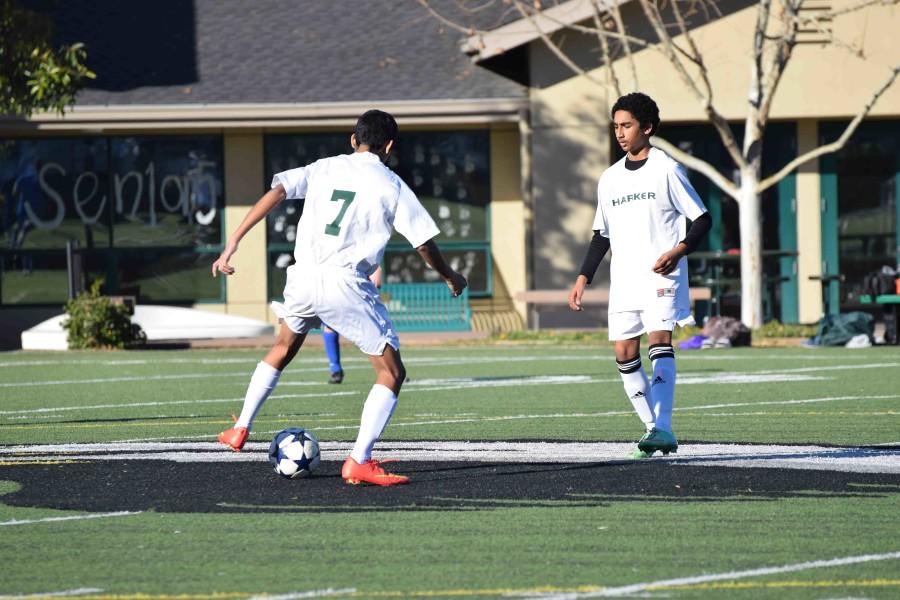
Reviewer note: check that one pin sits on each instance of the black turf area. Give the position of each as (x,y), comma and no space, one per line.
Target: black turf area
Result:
(165,486)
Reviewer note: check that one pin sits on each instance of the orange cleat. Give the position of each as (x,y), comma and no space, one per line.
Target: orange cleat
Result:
(234,437)
(355,473)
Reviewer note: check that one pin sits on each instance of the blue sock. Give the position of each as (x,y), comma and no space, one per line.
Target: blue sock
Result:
(333,350)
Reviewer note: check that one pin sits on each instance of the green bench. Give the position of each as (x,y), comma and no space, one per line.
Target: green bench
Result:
(426,307)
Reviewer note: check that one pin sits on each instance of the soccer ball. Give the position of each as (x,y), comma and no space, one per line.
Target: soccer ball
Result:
(294,453)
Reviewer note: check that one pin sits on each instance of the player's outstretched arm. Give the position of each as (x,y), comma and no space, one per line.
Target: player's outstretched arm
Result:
(431,254)
(259,211)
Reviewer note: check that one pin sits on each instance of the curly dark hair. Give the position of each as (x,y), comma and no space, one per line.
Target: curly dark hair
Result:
(642,108)
(375,128)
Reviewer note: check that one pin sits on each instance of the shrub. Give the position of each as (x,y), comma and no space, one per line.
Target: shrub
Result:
(97,321)
(775,329)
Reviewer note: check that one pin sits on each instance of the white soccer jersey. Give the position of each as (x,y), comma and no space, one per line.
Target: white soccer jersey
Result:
(643,213)
(353,201)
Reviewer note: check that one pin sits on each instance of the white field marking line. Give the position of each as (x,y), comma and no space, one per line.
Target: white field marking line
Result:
(77,592)
(788,402)
(444,385)
(718,355)
(438,385)
(627,590)
(422,360)
(844,459)
(441,362)
(610,413)
(25,384)
(166,403)
(121,513)
(119,379)
(310,594)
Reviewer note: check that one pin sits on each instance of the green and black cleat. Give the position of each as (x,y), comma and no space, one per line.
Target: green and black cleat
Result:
(657,440)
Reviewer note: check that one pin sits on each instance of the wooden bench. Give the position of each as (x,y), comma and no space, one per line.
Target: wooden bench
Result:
(597,296)
(591,297)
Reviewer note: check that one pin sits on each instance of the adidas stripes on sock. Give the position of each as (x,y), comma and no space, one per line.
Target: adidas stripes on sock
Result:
(662,356)
(376,413)
(263,381)
(638,388)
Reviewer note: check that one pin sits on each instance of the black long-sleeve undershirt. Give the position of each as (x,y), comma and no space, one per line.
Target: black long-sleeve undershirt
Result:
(600,245)
(596,251)
(696,232)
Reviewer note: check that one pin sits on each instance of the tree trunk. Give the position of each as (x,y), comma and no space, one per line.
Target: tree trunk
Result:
(750,212)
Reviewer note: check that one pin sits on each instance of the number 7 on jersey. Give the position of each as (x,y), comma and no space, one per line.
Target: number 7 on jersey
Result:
(334,227)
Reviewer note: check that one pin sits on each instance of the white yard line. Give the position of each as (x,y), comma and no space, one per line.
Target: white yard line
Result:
(612,413)
(76,592)
(436,361)
(310,594)
(847,459)
(712,356)
(122,513)
(456,383)
(21,384)
(635,588)
(165,403)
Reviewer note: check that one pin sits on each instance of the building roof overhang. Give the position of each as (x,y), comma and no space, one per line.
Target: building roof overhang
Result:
(264,116)
(504,49)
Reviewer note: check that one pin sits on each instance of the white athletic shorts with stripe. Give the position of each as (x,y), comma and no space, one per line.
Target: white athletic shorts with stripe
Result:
(344,299)
(632,323)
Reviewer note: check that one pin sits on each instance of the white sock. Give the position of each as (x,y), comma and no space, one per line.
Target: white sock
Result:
(662,389)
(264,380)
(376,413)
(638,388)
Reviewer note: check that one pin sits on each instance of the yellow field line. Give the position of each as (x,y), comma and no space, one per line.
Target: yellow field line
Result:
(742,585)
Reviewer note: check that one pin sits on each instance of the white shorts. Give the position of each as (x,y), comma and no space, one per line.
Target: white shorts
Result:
(346,300)
(633,323)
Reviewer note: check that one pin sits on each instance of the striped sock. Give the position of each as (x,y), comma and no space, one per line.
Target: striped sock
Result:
(637,387)
(662,356)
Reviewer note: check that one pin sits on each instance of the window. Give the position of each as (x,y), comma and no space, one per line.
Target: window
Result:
(448,170)
(860,189)
(145,211)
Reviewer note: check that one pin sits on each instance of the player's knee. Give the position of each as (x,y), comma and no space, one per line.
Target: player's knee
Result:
(395,372)
(281,354)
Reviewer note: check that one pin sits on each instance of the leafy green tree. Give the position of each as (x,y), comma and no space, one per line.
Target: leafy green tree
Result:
(33,75)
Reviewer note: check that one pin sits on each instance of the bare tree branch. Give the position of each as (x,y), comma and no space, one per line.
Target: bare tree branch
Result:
(835,145)
(555,49)
(718,121)
(783,49)
(626,43)
(604,48)
(449,23)
(831,14)
(697,164)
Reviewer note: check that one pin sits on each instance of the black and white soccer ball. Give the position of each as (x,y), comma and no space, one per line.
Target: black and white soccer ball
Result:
(294,453)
